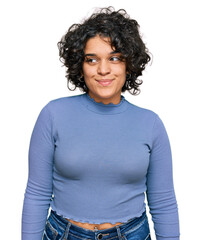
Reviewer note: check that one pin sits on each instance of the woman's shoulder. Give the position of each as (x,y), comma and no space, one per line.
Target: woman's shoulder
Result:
(142,111)
(61,104)
(63,101)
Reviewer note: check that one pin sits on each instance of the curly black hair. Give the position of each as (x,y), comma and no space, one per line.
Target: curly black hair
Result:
(124,36)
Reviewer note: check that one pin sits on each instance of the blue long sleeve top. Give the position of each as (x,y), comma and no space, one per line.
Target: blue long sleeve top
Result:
(93,162)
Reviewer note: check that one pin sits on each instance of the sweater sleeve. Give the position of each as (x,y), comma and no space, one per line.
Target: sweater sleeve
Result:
(38,192)
(160,189)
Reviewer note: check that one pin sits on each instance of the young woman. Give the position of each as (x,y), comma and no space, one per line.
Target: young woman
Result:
(93,156)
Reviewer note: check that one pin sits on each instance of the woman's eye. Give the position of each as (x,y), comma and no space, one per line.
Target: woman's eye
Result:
(91,60)
(115,58)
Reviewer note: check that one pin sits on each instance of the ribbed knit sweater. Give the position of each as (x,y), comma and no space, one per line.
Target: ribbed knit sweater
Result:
(93,162)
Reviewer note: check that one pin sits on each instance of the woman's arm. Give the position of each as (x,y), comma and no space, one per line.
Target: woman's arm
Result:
(160,189)
(39,186)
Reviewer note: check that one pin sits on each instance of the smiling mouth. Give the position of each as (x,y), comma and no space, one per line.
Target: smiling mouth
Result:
(105,82)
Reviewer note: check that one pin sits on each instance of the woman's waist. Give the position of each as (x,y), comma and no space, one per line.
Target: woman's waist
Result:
(131,224)
(99,217)
(92,226)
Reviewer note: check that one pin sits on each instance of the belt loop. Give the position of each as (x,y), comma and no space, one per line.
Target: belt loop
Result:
(119,233)
(67,231)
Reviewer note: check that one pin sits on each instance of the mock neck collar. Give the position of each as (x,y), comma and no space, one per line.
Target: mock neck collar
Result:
(102,108)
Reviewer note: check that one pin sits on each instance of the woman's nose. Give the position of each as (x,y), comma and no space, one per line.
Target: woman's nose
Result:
(103,67)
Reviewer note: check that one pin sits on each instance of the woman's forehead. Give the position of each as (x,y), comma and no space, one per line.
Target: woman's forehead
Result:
(99,44)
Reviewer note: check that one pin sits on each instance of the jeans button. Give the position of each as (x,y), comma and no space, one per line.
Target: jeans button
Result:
(99,236)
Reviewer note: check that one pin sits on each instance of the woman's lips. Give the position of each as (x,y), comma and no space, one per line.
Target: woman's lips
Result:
(104,82)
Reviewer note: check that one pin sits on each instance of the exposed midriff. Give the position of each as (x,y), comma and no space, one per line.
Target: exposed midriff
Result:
(92,226)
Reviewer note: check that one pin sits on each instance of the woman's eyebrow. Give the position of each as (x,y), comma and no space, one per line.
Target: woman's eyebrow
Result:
(89,54)
(93,54)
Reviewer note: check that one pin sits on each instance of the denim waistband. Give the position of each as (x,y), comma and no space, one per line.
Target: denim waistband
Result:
(131,224)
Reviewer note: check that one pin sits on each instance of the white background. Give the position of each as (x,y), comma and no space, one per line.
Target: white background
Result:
(31,75)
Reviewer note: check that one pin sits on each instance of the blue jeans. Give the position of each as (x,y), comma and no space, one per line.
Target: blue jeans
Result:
(59,228)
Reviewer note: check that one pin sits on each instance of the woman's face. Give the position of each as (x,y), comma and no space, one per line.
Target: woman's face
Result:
(103,70)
